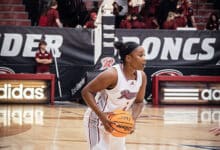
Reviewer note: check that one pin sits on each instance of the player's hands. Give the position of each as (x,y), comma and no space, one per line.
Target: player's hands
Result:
(106,122)
(46,61)
(215,131)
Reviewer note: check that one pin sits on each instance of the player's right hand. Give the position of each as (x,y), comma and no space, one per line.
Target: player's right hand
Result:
(106,122)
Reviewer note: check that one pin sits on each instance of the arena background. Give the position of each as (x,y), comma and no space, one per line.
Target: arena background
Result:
(189,52)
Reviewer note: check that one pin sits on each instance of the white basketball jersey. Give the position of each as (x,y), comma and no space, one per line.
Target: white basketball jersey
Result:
(122,95)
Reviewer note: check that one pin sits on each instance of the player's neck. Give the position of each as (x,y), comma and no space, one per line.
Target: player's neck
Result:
(129,72)
(43,52)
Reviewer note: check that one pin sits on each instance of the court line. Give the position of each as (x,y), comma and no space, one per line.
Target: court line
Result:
(56,128)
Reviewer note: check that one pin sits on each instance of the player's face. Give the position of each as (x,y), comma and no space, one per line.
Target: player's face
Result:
(43,47)
(138,59)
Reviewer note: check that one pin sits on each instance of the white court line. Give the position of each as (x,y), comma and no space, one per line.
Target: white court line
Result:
(56,129)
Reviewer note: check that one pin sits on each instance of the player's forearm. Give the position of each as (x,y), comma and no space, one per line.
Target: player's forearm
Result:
(90,101)
(59,23)
(47,61)
(41,61)
(137,109)
(44,61)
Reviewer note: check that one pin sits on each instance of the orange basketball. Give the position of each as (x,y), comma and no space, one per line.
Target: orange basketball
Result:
(123,123)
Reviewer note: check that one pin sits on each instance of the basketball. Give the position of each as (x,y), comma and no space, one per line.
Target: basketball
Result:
(123,123)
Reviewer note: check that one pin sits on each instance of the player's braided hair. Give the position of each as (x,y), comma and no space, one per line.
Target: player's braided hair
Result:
(125,48)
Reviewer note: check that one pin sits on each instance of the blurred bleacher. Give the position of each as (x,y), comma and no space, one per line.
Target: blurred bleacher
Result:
(202,10)
(13,13)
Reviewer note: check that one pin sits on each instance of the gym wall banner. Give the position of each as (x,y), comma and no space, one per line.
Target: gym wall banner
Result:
(73,48)
(185,52)
(176,48)
(18,45)
(189,52)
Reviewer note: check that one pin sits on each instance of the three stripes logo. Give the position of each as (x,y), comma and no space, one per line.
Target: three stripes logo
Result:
(191,94)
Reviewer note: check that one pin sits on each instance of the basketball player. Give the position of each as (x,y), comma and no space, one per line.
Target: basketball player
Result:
(118,88)
(43,58)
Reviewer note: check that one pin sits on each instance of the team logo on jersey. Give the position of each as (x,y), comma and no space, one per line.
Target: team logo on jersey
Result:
(127,94)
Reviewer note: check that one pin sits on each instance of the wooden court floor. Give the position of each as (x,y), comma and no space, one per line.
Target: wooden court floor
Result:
(60,127)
